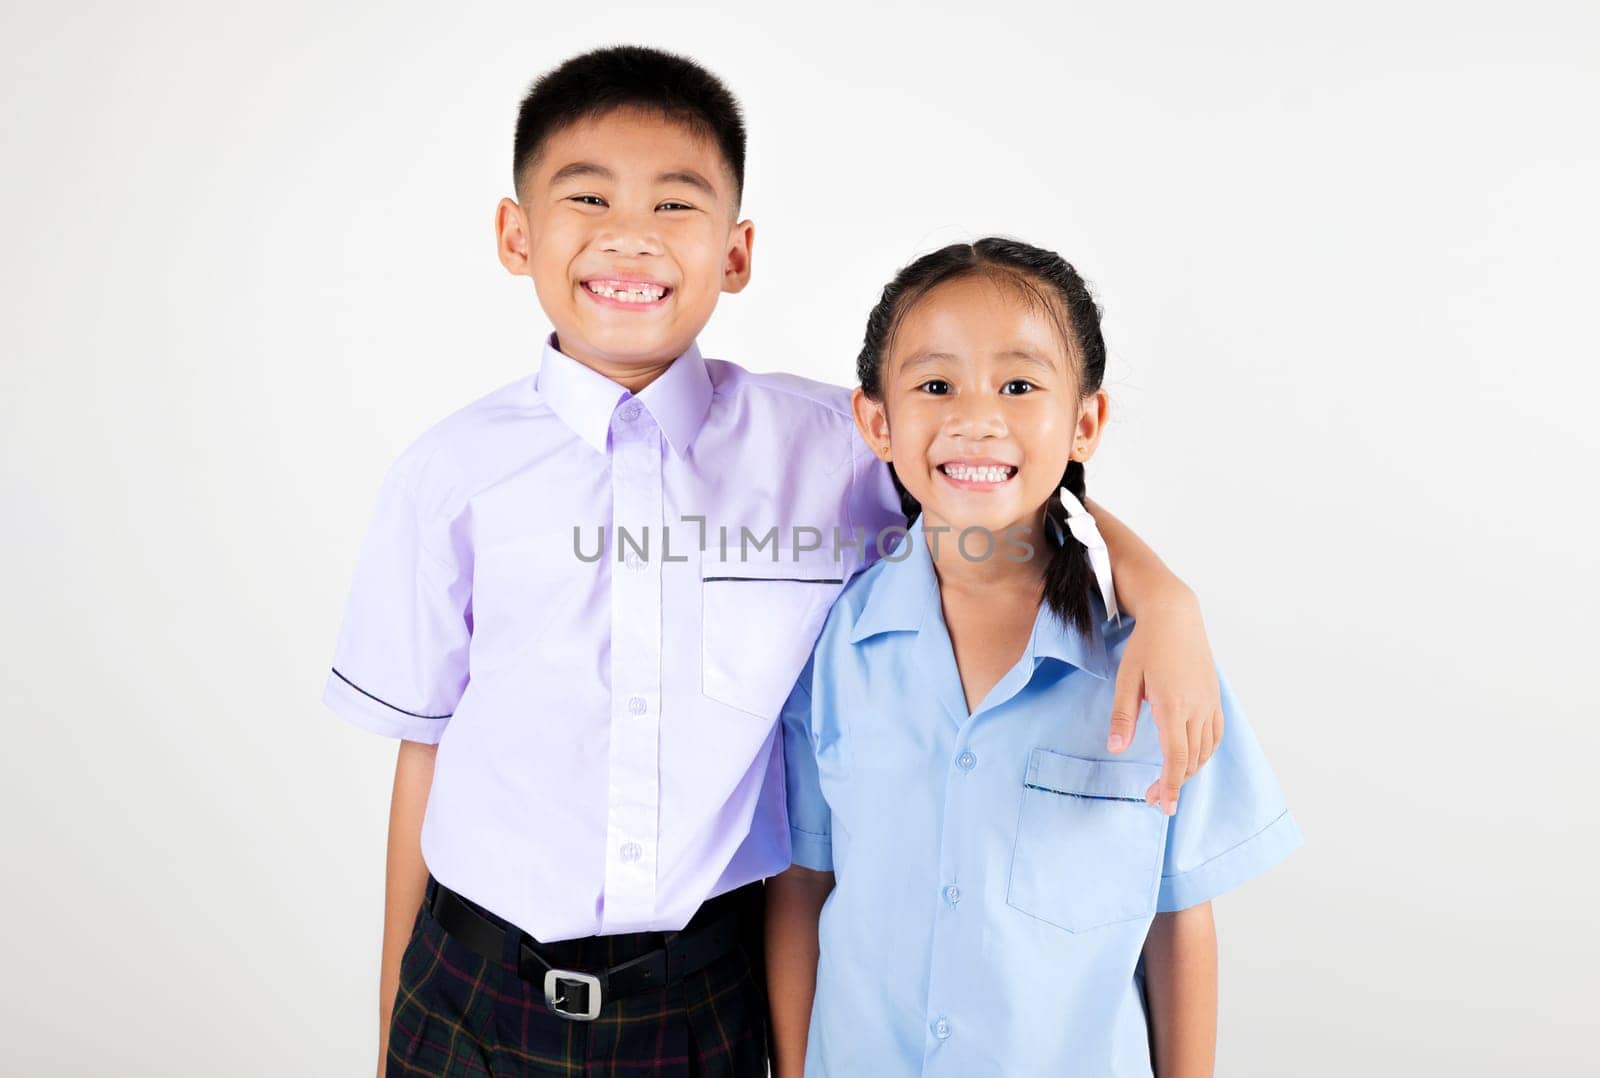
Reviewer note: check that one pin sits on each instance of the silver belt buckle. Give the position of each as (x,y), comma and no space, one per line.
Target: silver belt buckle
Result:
(556,997)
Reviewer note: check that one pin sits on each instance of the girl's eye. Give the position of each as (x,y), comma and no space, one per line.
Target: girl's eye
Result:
(589,200)
(937,386)
(1017,386)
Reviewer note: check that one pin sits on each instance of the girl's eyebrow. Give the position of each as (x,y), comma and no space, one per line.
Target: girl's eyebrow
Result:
(928,358)
(1030,358)
(925,359)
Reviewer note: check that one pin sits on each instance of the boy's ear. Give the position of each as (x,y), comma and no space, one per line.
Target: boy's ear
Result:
(1093,411)
(736,267)
(512,241)
(873,423)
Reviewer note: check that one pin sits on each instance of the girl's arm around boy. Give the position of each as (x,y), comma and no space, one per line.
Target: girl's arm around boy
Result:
(1167,661)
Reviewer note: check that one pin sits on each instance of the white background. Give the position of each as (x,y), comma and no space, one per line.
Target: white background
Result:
(1347,256)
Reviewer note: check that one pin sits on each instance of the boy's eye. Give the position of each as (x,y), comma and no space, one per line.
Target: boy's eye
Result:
(589,200)
(937,386)
(1017,386)
(674,206)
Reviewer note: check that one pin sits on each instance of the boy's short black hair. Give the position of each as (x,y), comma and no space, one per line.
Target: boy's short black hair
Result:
(597,82)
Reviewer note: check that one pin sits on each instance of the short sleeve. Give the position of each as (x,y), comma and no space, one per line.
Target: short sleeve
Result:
(810,821)
(874,504)
(1232,823)
(400,663)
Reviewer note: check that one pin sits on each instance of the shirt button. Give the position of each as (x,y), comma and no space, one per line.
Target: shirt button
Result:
(967,761)
(630,852)
(952,894)
(630,412)
(636,705)
(634,562)
(941,1029)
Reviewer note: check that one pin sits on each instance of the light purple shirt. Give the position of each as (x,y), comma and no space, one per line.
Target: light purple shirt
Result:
(607,722)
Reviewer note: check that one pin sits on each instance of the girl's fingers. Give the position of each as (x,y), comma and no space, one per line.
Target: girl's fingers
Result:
(1197,741)
(1208,740)
(1175,753)
(1125,707)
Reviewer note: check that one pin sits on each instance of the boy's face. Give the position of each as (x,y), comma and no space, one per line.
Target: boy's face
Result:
(628,228)
(980,410)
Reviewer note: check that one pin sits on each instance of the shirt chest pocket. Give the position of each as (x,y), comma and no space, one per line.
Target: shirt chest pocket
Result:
(1088,849)
(759,620)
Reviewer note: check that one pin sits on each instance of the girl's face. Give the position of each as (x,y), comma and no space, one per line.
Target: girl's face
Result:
(980,410)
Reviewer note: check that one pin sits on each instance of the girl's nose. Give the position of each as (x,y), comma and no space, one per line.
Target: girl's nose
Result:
(975,416)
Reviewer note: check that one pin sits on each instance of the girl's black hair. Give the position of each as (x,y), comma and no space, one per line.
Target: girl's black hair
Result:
(1043,277)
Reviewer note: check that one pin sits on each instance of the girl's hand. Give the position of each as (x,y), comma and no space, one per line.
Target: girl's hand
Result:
(1168,661)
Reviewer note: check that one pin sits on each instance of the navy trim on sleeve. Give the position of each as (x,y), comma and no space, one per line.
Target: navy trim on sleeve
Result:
(385,703)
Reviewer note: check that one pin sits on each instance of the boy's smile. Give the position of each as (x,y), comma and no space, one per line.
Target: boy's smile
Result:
(634,292)
(628,226)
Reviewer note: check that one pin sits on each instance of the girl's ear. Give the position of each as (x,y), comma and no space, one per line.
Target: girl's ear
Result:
(1092,413)
(872,421)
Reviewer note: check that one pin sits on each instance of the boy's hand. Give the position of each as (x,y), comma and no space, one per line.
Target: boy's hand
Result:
(1168,661)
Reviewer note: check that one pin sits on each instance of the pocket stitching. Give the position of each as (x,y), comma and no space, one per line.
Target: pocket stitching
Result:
(1065,773)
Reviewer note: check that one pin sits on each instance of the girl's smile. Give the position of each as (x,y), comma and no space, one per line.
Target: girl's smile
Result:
(980,473)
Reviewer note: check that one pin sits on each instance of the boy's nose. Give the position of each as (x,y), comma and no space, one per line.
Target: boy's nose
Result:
(629,244)
(629,238)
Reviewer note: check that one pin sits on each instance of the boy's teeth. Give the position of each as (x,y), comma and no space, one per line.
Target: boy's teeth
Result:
(644,293)
(989,473)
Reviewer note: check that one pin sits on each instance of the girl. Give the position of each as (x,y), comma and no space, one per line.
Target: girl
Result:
(996,896)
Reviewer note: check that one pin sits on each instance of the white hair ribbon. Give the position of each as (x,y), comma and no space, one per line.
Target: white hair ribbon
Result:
(1085,531)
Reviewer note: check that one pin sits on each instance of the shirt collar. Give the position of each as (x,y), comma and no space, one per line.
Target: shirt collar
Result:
(905,598)
(584,399)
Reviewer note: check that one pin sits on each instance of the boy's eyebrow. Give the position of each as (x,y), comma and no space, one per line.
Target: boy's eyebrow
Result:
(581,169)
(690,177)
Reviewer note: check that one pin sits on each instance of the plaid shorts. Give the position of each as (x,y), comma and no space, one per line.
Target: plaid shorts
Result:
(458,1014)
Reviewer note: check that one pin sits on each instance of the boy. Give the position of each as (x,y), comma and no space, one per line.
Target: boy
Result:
(558,612)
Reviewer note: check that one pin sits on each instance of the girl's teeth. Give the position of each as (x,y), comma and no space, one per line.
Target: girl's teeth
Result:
(986,474)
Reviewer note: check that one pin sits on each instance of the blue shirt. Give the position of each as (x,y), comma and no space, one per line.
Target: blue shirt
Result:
(996,873)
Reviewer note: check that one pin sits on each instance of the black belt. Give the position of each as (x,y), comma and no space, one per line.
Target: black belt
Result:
(574,994)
